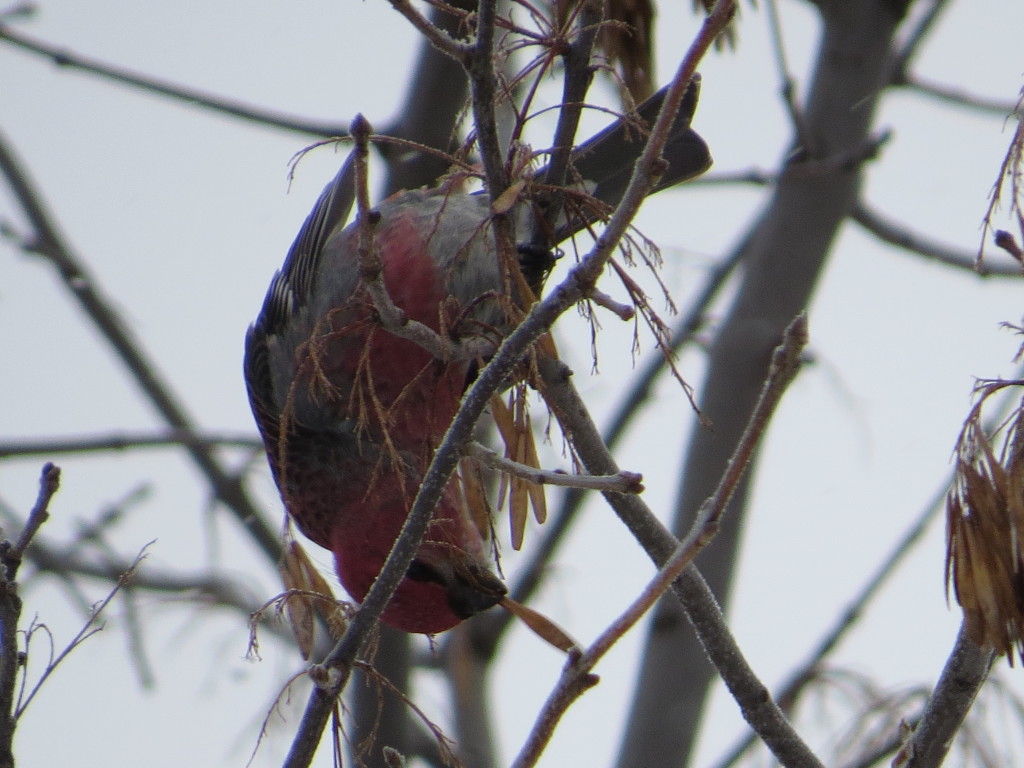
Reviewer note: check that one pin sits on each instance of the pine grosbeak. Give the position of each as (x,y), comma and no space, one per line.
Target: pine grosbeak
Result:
(350,414)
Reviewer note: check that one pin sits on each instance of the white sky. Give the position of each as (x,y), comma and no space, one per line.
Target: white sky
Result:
(183,217)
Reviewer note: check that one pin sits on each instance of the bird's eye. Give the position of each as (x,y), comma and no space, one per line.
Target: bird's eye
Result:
(538,255)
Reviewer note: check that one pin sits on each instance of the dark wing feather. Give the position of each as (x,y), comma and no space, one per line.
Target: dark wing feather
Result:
(606,160)
(292,286)
(289,291)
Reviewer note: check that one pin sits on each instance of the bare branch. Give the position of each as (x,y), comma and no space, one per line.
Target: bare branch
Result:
(901,75)
(906,240)
(884,229)
(1008,243)
(488,628)
(480,67)
(784,367)
(914,41)
(48,485)
(576,82)
(956,96)
(965,672)
(125,441)
(689,587)
(192,97)
(791,690)
(11,660)
(796,116)
(392,318)
(432,108)
(1009,176)
(89,629)
(623,482)
(438,38)
(67,562)
(577,677)
(625,312)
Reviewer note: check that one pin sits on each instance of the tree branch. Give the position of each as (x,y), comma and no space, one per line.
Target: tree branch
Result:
(11,659)
(702,609)
(489,628)
(577,677)
(786,249)
(623,482)
(906,240)
(962,677)
(62,57)
(124,441)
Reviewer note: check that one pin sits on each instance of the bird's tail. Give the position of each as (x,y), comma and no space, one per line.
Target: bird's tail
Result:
(604,163)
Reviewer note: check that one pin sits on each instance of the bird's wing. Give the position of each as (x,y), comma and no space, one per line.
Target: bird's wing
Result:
(289,292)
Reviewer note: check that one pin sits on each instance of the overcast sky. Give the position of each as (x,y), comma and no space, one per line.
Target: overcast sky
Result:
(183,216)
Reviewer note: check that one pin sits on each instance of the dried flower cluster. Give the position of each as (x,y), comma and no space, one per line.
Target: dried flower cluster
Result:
(985,522)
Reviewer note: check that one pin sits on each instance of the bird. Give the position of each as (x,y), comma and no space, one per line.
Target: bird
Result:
(350,414)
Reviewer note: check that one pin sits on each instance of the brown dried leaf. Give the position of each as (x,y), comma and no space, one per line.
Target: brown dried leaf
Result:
(304,583)
(541,625)
(505,421)
(514,426)
(538,500)
(628,40)
(507,199)
(984,515)
(474,495)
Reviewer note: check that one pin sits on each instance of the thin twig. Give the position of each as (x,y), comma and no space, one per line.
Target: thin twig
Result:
(625,312)
(884,229)
(208,589)
(788,90)
(438,38)
(586,274)
(489,628)
(623,482)
(754,700)
(63,57)
(24,448)
(1008,243)
(371,268)
(576,677)
(784,366)
(915,39)
(957,96)
(49,482)
(912,242)
(480,67)
(791,690)
(94,534)
(577,78)
(901,75)
(67,562)
(393,318)
(89,629)
(433,106)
